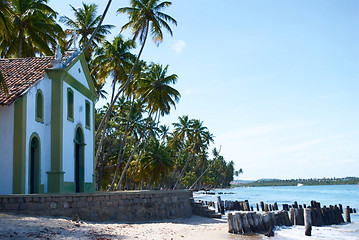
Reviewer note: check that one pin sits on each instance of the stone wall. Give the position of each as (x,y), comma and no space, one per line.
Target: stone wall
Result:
(104,206)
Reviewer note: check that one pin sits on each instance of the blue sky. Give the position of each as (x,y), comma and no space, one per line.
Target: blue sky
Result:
(276,82)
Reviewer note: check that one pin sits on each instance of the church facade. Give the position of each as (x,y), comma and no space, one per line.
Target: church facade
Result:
(47,126)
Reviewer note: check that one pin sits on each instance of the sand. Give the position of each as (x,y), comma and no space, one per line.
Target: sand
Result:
(30,227)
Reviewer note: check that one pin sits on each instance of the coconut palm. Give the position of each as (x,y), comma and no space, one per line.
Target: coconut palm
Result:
(144,16)
(115,59)
(5,22)
(156,92)
(198,139)
(84,49)
(85,23)
(157,162)
(164,132)
(34,29)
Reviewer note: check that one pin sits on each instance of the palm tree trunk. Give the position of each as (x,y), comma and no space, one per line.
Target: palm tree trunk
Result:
(121,151)
(133,152)
(21,33)
(109,110)
(143,149)
(97,28)
(203,173)
(184,168)
(138,160)
(100,148)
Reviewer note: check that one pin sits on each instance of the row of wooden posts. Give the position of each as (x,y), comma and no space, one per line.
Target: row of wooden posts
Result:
(248,221)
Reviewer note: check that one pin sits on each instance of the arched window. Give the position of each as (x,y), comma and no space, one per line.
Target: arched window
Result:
(39,107)
(70,105)
(87,114)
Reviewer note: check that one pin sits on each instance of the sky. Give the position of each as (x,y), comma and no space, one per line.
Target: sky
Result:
(276,82)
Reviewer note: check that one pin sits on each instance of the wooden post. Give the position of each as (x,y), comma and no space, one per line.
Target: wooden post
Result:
(341,208)
(299,217)
(257,207)
(285,207)
(246,227)
(267,221)
(260,222)
(236,206)
(251,222)
(255,222)
(266,207)
(292,216)
(275,206)
(325,215)
(238,222)
(347,214)
(272,215)
(230,222)
(307,222)
(262,206)
(220,205)
(247,205)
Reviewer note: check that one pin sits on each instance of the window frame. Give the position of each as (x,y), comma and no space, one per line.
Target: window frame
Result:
(70,104)
(39,107)
(87,114)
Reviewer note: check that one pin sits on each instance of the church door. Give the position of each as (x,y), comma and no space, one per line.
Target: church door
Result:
(34,166)
(79,160)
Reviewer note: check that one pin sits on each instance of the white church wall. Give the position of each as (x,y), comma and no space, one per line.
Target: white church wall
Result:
(77,72)
(43,130)
(6,148)
(69,128)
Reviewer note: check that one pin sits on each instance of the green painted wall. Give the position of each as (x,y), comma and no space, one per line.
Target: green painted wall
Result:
(56,175)
(19,157)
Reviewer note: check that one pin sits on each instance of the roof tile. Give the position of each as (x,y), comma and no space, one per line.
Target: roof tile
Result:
(20,74)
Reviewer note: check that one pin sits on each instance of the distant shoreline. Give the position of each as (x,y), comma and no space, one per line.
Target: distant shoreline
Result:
(295,182)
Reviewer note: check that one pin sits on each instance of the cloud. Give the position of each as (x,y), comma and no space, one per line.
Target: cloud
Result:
(179,46)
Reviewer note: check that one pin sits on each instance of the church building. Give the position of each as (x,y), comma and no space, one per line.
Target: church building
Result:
(47,125)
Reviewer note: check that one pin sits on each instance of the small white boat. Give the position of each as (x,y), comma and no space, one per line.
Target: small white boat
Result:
(300,185)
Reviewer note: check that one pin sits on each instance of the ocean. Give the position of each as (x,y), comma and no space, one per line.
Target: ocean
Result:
(347,195)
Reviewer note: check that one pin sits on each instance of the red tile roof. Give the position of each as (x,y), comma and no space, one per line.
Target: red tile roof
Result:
(20,74)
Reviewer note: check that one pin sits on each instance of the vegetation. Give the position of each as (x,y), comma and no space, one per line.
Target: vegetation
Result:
(294,182)
(133,149)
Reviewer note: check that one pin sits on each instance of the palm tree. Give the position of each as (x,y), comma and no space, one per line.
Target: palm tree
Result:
(5,28)
(84,49)
(164,132)
(34,29)
(144,16)
(198,140)
(5,22)
(115,59)
(85,23)
(216,155)
(157,162)
(155,90)
(183,128)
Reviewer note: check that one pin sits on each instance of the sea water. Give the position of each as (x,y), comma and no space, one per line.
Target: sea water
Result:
(347,195)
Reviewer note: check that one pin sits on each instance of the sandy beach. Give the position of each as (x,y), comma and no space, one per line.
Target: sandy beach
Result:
(30,227)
